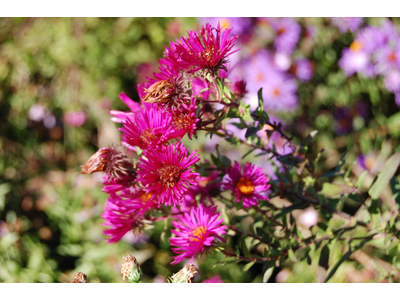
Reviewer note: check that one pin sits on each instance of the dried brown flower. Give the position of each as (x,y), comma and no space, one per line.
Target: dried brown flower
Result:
(79,277)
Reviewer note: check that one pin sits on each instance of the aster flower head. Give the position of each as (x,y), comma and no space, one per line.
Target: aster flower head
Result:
(167,173)
(347,23)
(207,50)
(121,216)
(303,69)
(150,128)
(287,34)
(195,232)
(248,186)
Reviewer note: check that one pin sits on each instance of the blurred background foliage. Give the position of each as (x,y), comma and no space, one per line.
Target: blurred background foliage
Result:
(59,77)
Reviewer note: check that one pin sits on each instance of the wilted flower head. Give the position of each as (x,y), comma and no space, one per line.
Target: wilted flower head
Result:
(186,275)
(79,277)
(167,174)
(198,230)
(131,269)
(249,186)
(207,50)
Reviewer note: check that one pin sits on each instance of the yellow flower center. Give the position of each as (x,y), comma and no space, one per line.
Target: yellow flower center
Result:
(225,23)
(356,46)
(259,77)
(169,175)
(145,197)
(276,92)
(281,30)
(245,186)
(392,56)
(199,233)
(148,135)
(182,121)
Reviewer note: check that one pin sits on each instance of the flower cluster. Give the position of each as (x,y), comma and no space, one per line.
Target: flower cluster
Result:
(375,51)
(174,103)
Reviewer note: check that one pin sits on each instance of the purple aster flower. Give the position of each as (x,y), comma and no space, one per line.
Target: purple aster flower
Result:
(388,58)
(303,69)
(240,26)
(287,33)
(367,161)
(149,128)
(196,232)
(249,186)
(167,174)
(208,50)
(355,59)
(214,279)
(392,81)
(347,23)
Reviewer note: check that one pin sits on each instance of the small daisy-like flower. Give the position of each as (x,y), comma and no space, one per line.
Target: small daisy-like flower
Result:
(196,232)
(121,216)
(287,34)
(347,23)
(167,174)
(208,50)
(248,186)
(150,128)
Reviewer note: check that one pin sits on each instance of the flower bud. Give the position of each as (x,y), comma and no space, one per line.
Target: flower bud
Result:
(131,269)
(186,275)
(79,277)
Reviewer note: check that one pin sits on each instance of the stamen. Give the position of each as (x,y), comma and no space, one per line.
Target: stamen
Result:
(169,175)
(199,233)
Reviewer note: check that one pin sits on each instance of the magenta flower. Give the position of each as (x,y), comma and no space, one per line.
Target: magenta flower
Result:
(250,187)
(149,128)
(119,116)
(207,187)
(196,232)
(214,279)
(166,173)
(208,50)
(121,216)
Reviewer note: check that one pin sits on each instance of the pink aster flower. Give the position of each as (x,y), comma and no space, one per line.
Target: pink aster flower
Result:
(196,232)
(249,186)
(214,279)
(208,50)
(167,173)
(207,187)
(121,216)
(149,128)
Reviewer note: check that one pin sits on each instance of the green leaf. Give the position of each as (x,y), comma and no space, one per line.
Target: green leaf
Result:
(248,266)
(324,258)
(302,253)
(251,131)
(291,255)
(260,107)
(384,176)
(248,152)
(334,189)
(360,179)
(268,273)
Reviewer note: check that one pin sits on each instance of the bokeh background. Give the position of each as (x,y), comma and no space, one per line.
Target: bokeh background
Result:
(59,77)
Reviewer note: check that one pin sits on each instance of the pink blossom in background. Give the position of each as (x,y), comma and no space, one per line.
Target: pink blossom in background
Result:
(195,232)
(75,119)
(214,279)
